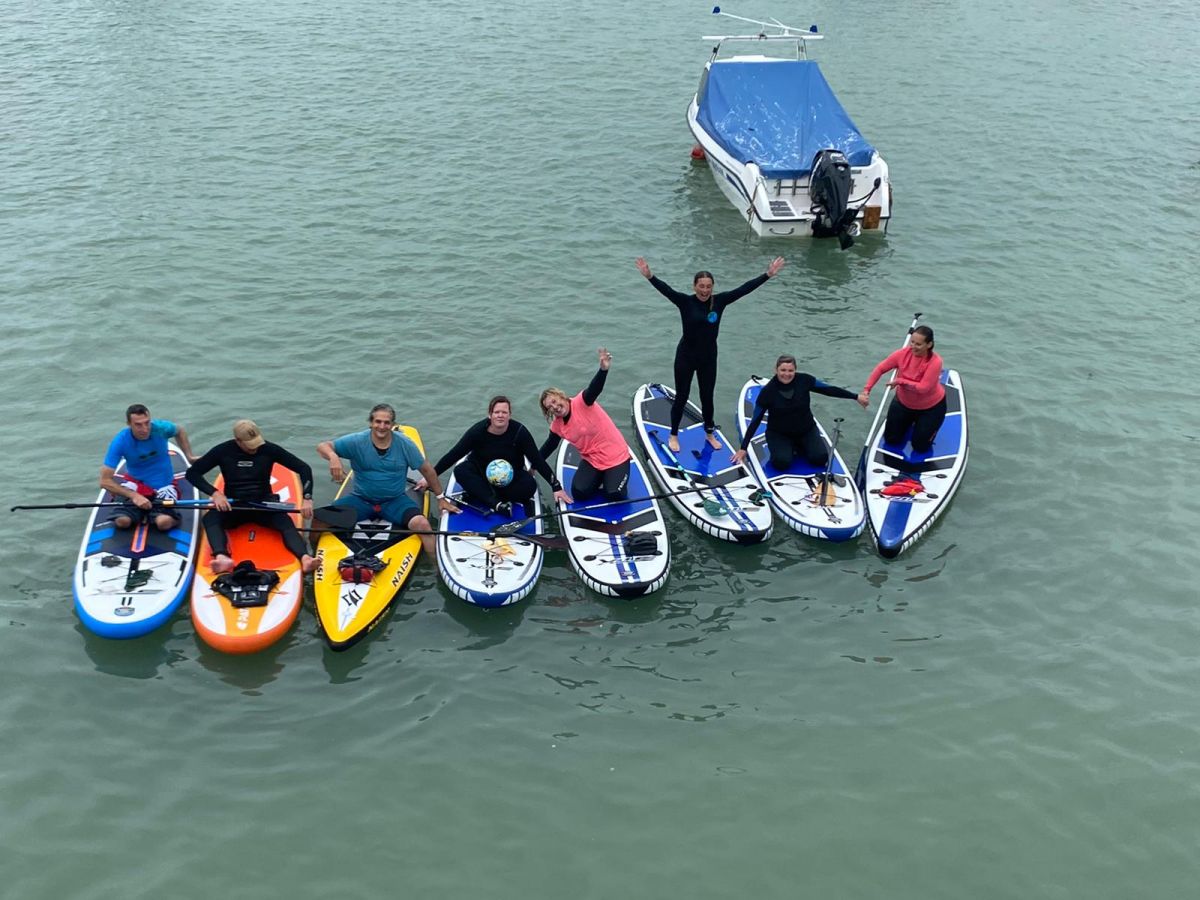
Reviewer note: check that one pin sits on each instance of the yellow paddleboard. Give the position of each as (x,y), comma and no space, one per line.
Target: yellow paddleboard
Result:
(348,610)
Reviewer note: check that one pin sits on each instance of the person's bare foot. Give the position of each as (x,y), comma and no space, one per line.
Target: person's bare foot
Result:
(712,441)
(222,564)
(309,564)
(673,443)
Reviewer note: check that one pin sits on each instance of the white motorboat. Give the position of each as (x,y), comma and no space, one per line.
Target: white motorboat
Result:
(779,144)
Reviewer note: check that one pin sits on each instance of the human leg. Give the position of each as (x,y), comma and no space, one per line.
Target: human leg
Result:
(215,523)
(899,417)
(926,425)
(813,447)
(586,483)
(616,481)
(479,490)
(782,450)
(706,378)
(684,370)
(520,490)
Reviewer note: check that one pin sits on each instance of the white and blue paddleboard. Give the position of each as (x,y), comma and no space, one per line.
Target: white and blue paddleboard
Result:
(898,521)
(129,581)
(726,501)
(832,510)
(487,568)
(595,531)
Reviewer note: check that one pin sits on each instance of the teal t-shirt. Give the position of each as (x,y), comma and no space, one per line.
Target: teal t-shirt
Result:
(148,461)
(379,476)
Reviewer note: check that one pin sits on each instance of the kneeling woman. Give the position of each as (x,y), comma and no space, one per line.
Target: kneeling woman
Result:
(580,420)
(791,428)
(920,399)
(499,436)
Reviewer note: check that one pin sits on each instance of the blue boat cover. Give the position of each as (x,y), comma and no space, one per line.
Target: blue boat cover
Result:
(777,114)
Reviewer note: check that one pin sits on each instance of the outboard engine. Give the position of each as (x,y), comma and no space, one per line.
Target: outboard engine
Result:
(829,188)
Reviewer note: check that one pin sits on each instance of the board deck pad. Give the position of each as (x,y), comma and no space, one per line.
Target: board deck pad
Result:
(735,510)
(130,581)
(838,515)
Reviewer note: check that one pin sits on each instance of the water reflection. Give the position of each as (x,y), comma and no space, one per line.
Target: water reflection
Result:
(139,658)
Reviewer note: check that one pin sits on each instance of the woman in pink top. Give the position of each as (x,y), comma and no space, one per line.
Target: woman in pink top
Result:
(580,420)
(920,399)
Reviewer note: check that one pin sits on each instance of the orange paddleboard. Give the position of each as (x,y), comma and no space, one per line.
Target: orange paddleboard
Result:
(228,628)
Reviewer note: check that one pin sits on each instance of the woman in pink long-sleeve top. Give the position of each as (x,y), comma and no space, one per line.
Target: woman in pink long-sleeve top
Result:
(920,399)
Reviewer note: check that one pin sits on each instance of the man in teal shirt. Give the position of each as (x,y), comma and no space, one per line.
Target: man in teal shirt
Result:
(380,459)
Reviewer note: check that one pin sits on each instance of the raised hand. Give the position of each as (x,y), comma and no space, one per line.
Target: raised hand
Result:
(640,262)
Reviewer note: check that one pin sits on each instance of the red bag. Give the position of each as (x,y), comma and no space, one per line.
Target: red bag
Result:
(902,487)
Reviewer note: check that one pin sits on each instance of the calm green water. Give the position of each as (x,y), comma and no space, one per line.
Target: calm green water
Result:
(293,210)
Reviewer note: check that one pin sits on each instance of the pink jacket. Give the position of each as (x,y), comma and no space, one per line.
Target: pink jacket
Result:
(593,433)
(918,384)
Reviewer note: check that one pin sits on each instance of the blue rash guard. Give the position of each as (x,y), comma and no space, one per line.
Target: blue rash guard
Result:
(148,461)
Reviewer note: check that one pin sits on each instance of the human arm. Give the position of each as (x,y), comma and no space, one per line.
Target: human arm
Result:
(530,451)
(759,411)
(430,476)
(928,378)
(549,446)
(336,471)
(195,474)
(109,482)
(886,365)
(185,444)
(659,285)
(830,390)
(591,393)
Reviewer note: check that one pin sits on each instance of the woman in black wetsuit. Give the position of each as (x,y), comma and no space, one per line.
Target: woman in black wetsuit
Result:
(696,353)
(499,436)
(791,429)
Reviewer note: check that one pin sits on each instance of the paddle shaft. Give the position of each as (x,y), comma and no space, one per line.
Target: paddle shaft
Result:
(827,474)
(159,504)
(549,541)
(678,466)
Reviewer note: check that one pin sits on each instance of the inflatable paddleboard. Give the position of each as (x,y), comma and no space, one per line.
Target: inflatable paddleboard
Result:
(129,581)
(349,608)
(247,629)
(832,510)
(905,491)
(488,569)
(730,505)
(596,531)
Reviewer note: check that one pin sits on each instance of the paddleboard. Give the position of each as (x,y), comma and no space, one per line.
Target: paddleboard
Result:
(129,581)
(348,611)
(832,510)
(595,533)
(248,629)
(730,506)
(897,522)
(485,568)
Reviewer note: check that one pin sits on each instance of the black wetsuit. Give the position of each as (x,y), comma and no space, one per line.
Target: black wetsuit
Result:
(480,446)
(791,426)
(696,353)
(248,478)
(588,481)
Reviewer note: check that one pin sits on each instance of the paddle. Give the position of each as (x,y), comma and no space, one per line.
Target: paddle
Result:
(518,525)
(712,507)
(862,460)
(826,476)
(167,504)
(548,541)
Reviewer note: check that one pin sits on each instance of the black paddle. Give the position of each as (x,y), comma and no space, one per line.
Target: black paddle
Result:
(548,541)
(827,475)
(167,504)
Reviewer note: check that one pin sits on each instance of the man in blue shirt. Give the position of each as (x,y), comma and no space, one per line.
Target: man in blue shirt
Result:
(148,476)
(380,459)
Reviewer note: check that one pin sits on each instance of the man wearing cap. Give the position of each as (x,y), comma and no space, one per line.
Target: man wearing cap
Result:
(246,463)
(381,458)
(149,476)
